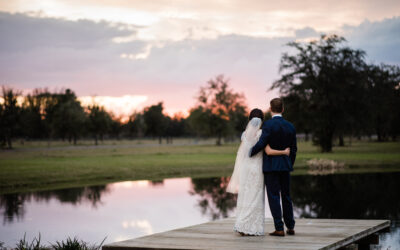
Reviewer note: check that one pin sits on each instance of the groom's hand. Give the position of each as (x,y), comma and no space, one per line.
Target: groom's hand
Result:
(287,151)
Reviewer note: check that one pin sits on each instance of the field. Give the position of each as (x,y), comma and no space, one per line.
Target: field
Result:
(34,166)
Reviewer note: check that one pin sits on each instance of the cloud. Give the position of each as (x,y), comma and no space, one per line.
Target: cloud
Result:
(381,40)
(180,20)
(169,71)
(306,33)
(22,33)
(51,51)
(85,56)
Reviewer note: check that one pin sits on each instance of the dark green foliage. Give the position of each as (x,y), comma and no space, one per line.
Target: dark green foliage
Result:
(384,100)
(9,116)
(220,111)
(318,82)
(99,122)
(116,128)
(68,244)
(69,117)
(75,244)
(330,91)
(23,244)
(155,121)
(238,118)
(136,126)
(175,127)
(33,115)
(198,121)
(296,112)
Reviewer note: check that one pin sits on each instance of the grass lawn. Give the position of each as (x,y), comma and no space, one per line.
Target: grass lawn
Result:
(29,168)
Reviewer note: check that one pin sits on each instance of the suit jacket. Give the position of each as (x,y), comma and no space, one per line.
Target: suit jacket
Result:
(279,134)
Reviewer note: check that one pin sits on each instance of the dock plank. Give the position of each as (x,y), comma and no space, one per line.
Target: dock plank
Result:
(310,234)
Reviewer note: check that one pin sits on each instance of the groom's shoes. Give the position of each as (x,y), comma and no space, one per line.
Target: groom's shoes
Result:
(277,233)
(290,232)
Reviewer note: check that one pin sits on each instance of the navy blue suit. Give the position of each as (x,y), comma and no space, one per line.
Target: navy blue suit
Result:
(279,134)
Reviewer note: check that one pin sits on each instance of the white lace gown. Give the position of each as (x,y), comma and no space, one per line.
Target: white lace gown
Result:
(248,181)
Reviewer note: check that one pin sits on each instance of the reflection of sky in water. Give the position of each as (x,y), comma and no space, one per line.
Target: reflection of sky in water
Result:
(389,240)
(132,209)
(128,210)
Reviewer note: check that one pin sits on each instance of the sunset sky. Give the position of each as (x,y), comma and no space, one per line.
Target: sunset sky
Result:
(131,54)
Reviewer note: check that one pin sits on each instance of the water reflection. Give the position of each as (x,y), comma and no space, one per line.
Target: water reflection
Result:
(361,196)
(213,200)
(119,211)
(13,205)
(157,183)
(131,209)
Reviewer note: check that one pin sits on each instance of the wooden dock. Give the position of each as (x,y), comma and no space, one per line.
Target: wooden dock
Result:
(310,234)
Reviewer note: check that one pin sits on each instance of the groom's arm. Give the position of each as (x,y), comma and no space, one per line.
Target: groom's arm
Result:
(262,142)
(293,149)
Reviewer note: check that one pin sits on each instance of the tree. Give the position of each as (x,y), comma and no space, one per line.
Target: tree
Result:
(9,116)
(220,111)
(326,79)
(116,128)
(136,126)
(238,118)
(384,95)
(67,116)
(155,121)
(99,122)
(213,199)
(175,127)
(50,103)
(296,112)
(198,121)
(33,114)
(395,126)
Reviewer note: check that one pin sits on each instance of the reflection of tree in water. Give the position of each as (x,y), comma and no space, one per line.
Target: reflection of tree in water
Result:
(214,200)
(12,205)
(75,196)
(348,196)
(157,183)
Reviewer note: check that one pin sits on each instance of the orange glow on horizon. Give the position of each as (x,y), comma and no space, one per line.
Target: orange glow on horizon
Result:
(121,107)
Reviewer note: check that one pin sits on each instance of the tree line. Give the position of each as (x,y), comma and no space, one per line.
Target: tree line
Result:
(328,88)
(45,115)
(330,91)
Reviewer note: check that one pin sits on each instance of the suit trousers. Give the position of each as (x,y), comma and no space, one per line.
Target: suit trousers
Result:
(278,186)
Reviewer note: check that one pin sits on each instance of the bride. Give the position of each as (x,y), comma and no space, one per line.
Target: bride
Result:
(247,179)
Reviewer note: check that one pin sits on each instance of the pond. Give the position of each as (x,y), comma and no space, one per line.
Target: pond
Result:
(130,209)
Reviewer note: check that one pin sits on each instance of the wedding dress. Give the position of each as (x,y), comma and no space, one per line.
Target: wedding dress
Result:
(248,181)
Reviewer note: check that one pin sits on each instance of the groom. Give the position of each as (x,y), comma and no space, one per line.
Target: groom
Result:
(279,134)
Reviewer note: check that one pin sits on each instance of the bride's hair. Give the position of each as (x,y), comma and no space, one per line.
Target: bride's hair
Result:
(256,113)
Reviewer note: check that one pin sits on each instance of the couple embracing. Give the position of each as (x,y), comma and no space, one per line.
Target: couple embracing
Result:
(265,157)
